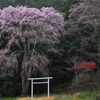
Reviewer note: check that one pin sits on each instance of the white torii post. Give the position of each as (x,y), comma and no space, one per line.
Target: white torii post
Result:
(32,82)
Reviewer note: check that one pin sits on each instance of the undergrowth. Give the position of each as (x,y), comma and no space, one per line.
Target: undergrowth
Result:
(77,96)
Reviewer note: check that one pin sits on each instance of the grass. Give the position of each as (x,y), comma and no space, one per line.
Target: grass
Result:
(77,96)
(28,98)
(9,98)
(41,98)
(36,97)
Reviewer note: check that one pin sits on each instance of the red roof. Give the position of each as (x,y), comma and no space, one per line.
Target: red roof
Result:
(84,65)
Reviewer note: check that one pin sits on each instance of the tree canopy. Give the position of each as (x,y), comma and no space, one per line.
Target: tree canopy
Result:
(83,29)
(30,34)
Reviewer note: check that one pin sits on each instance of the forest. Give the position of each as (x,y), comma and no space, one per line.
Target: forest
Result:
(49,38)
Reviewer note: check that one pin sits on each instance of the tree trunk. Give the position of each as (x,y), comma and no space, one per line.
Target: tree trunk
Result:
(25,83)
(77,83)
(24,77)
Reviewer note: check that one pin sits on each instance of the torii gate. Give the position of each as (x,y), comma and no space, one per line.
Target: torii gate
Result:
(47,82)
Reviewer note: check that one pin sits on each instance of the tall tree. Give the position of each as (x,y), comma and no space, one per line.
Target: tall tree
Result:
(83,29)
(29,34)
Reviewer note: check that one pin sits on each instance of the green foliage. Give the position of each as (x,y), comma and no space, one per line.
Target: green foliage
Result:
(10,98)
(77,96)
(10,86)
(57,4)
(62,97)
(66,6)
(83,96)
(97,97)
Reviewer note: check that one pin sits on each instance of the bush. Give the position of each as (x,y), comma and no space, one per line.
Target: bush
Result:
(10,86)
(83,96)
(97,97)
(87,81)
(77,96)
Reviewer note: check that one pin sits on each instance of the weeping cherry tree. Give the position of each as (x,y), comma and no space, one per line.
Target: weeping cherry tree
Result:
(26,36)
